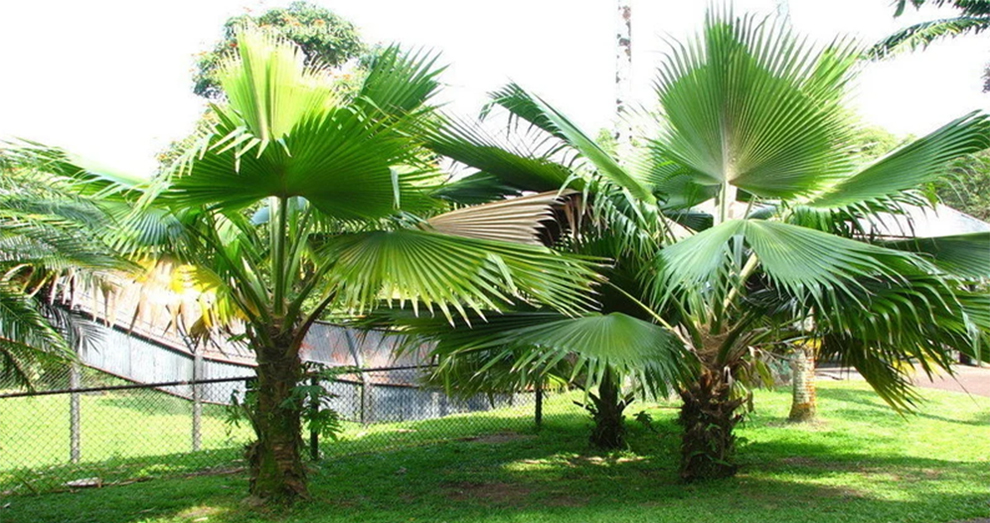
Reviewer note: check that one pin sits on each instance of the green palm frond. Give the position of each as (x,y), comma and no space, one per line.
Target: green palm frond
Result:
(677,187)
(923,34)
(612,224)
(963,256)
(346,165)
(803,261)
(909,166)
(750,105)
(525,345)
(518,167)
(879,368)
(462,274)
(142,231)
(400,82)
(911,320)
(467,362)
(477,188)
(26,337)
(52,230)
(45,224)
(865,221)
(285,134)
(78,176)
(613,341)
(269,88)
(537,111)
(521,106)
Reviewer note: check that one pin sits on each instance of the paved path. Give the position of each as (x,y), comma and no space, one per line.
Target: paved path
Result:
(974,380)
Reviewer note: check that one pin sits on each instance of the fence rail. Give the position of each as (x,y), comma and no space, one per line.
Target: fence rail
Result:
(109,388)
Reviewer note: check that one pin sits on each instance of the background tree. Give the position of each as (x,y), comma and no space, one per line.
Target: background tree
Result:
(324,38)
(966,187)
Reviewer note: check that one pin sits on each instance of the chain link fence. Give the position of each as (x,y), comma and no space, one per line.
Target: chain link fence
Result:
(83,427)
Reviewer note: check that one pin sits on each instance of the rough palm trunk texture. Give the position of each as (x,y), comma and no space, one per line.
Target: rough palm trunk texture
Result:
(609,431)
(708,416)
(277,471)
(804,404)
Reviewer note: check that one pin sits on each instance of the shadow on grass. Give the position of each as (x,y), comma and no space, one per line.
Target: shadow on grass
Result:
(543,478)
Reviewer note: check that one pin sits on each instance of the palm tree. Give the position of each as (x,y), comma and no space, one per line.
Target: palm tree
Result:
(299,202)
(47,240)
(767,210)
(974,17)
(621,350)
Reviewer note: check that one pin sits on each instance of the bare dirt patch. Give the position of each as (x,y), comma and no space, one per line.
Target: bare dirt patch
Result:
(502,437)
(566,501)
(497,493)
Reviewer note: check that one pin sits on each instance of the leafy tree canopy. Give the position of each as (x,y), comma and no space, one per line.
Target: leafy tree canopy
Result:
(967,187)
(325,39)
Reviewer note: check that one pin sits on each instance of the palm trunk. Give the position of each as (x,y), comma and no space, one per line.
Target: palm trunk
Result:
(609,431)
(708,416)
(277,471)
(804,404)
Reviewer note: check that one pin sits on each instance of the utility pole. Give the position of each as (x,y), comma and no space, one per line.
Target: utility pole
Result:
(623,74)
(784,12)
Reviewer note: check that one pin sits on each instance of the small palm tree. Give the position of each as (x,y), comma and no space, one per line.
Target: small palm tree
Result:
(610,353)
(765,214)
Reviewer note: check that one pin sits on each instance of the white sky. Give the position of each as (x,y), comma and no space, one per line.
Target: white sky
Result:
(111,79)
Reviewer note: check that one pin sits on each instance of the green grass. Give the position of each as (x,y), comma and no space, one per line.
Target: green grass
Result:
(861,463)
(125,435)
(141,434)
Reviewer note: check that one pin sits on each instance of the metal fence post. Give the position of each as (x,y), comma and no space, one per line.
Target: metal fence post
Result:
(365,400)
(197,407)
(366,406)
(75,448)
(314,407)
(538,415)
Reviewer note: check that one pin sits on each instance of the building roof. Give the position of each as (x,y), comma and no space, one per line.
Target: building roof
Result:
(921,222)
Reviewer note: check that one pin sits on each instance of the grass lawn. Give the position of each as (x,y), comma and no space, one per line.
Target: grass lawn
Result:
(132,434)
(861,463)
(142,434)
